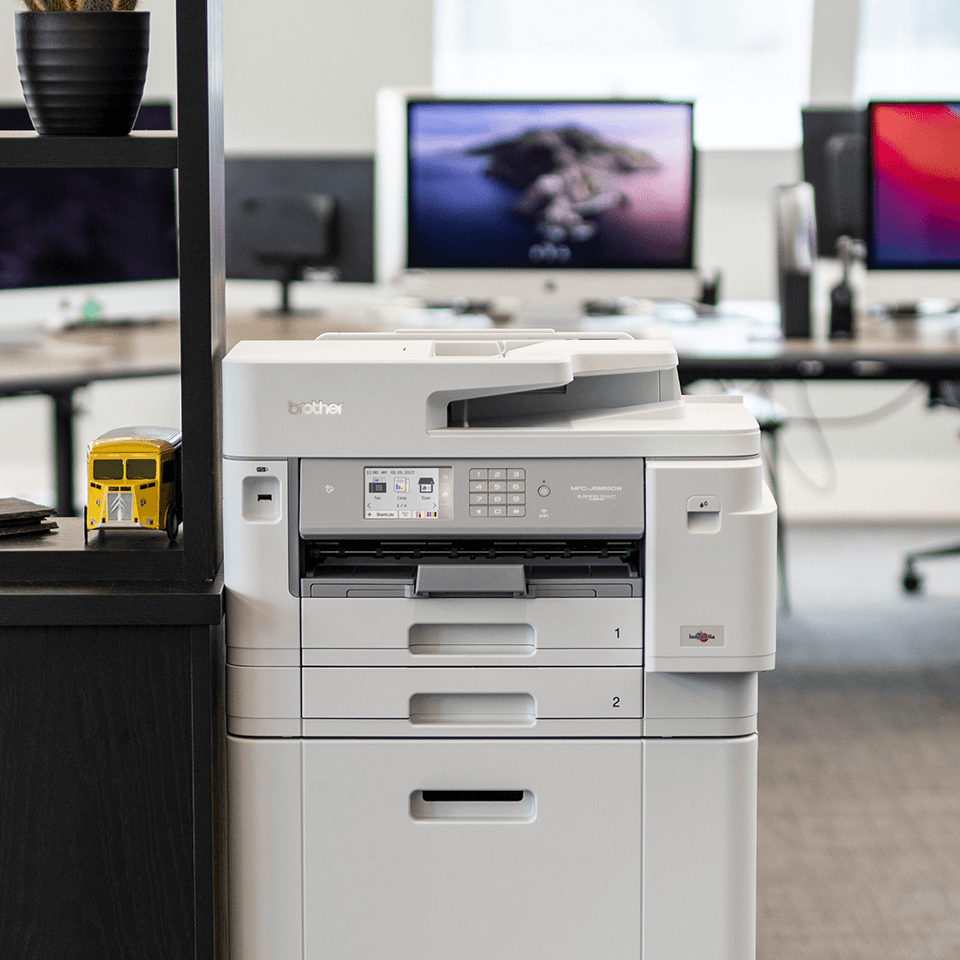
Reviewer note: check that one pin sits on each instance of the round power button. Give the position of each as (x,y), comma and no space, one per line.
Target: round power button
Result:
(543,490)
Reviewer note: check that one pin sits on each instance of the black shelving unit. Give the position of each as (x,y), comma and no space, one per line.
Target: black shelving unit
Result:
(195,150)
(111,653)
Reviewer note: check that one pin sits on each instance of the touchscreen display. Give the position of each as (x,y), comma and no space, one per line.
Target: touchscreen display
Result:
(408,493)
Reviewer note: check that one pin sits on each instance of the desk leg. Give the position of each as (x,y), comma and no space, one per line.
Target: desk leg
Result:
(63,411)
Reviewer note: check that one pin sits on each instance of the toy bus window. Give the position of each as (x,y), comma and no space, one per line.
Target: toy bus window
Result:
(107,469)
(141,470)
(168,474)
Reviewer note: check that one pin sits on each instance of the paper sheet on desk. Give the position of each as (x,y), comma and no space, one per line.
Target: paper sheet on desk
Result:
(734,328)
(401,316)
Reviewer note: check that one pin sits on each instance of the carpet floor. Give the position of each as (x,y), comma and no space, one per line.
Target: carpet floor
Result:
(859,790)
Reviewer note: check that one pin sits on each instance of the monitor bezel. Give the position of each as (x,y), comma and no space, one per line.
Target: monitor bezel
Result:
(392,212)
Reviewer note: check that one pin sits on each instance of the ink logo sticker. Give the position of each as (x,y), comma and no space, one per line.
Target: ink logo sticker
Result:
(701,636)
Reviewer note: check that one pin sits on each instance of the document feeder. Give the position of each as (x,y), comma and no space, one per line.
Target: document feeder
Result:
(496,608)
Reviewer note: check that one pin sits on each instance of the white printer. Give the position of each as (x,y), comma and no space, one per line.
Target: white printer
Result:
(496,606)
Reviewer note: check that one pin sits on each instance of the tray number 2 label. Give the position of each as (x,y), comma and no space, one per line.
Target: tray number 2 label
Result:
(616,700)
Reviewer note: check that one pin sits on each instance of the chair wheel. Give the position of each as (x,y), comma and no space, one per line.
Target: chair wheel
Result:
(912,581)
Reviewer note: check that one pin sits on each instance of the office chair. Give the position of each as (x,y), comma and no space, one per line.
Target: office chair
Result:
(945,393)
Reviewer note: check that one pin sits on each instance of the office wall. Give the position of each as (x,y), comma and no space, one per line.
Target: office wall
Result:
(300,76)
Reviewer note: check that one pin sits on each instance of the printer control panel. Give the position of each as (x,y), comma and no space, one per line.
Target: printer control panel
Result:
(472,497)
(498,492)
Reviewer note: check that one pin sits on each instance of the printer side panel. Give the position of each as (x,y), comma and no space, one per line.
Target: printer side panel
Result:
(263,618)
(265,848)
(710,567)
(699,848)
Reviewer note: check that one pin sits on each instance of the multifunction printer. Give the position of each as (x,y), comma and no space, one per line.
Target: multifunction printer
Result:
(496,608)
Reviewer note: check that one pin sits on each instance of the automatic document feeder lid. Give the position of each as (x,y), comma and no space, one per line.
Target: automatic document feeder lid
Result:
(478,393)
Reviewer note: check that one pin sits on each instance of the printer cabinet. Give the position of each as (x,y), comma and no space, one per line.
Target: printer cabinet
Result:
(465,725)
(555,849)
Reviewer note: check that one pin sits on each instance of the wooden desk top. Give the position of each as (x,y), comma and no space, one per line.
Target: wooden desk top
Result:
(732,346)
(76,357)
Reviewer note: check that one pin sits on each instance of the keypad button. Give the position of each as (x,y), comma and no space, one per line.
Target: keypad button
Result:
(497,498)
(517,486)
(478,511)
(497,486)
(478,486)
(497,473)
(516,498)
(478,474)
(478,498)
(515,473)
(516,511)
(497,511)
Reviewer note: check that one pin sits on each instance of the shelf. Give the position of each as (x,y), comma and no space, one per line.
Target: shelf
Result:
(24,148)
(110,604)
(62,556)
(195,151)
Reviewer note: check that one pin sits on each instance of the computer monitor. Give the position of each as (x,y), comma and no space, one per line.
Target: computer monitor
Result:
(90,243)
(287,215)
(834,163)
(913,200)
(550,202)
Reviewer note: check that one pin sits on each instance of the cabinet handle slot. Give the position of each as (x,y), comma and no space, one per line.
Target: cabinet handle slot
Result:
(473,806)
(472,796)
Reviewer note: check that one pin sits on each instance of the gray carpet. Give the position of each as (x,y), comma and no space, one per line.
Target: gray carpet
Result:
(859,797)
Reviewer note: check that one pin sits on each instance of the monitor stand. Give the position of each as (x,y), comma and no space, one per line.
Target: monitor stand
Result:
(292,272)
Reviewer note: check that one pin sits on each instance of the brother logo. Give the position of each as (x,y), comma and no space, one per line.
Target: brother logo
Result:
(317,406)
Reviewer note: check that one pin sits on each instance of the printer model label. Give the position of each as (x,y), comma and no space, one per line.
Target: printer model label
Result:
(596,492)
(701,636)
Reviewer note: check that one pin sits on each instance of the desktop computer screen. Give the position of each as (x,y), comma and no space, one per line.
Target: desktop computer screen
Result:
(834,161)
(69,234)
(287,215)
(914,186)
(581,197)
(598,185)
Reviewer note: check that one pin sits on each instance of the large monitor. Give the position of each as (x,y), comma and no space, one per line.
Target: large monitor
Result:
(287,216)
(834,163)
(913,200)
(88,244)
(550,202)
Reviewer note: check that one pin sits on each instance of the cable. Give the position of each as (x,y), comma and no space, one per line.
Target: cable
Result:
(859,419)
(816,425)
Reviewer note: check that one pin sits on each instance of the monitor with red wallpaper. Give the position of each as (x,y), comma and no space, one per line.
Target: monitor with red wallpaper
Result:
(914,186)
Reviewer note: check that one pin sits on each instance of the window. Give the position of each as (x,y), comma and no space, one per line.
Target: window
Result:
(909,51)
(107,469)
(141,470)
(718,54)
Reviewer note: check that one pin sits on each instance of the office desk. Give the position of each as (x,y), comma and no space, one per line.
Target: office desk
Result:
(67,361)
(740,344)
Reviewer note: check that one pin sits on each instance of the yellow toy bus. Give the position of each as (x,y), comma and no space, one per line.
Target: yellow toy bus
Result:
(133,480)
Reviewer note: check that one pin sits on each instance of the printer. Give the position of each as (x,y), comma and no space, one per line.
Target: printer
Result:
(497,603)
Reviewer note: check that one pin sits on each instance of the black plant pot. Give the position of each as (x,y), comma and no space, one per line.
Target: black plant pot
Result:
(82,73)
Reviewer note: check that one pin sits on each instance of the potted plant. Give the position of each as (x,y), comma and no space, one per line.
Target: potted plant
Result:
(82,65)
